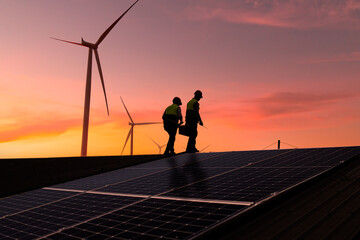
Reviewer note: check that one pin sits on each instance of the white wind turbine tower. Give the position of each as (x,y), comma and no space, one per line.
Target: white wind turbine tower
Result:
(93,47)
(160,147)
(131,131)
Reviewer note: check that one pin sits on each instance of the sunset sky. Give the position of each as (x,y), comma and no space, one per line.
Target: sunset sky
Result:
(268,70)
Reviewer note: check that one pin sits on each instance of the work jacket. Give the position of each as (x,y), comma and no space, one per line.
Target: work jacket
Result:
(172,114)
(192,111)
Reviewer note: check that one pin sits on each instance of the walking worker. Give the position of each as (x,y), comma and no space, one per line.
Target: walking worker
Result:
(192,118)
(171,118)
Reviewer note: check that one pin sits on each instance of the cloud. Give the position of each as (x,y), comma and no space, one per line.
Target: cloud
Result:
(24,124)
(299,14)
(285,103)
(27,127)
(286,111)
(346,57)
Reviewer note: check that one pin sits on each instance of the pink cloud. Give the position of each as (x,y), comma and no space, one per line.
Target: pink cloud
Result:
(286,110)
(301,14)
(285,103)
(347,57)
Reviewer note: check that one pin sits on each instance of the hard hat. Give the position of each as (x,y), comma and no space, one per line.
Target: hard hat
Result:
(198,94)
(177,101)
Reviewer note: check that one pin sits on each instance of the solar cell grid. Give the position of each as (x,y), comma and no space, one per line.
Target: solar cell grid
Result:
(122,175)
(57,215)
(162,181)
(153,219)
(246,184)
(178,197)
(311,157)
(180,159)
(20,202)
(240,159)
(104,179)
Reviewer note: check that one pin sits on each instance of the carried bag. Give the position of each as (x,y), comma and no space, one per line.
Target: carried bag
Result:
(184,130)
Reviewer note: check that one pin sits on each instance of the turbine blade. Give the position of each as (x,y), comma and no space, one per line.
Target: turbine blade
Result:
(102,78)
(112,26)
(127,110)
(154,141)
(147,123)
(68,41)
(205,148)
(127,138)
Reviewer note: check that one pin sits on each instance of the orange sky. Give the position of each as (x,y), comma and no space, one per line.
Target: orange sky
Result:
(268,70)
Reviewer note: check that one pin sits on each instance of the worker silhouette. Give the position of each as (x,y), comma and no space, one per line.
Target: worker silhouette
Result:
(171,118)
(192,118)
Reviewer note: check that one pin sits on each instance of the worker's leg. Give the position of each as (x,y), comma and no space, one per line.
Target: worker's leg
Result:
(171,130)
(171,141)
(192,138)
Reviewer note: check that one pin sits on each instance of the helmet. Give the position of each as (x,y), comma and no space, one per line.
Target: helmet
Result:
(177,101)
(198,94)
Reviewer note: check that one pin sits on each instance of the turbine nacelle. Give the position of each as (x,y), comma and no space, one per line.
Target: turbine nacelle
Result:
(87,44)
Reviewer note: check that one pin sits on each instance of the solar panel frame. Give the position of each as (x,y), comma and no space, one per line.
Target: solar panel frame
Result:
(208,168)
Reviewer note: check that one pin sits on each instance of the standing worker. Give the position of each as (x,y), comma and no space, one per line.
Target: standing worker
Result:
(171,118)
(192,118)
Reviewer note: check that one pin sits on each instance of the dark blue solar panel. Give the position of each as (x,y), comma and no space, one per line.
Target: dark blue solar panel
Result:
(131,173)
(246,184)
(104,179)
(163,181)
(176,197)
(54,216)
(327,157)
(153,219)
(20,202)
(240,159)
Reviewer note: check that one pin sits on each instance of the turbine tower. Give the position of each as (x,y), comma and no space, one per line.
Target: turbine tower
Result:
(160,147)
(202,150)
(131,131)
(93,47)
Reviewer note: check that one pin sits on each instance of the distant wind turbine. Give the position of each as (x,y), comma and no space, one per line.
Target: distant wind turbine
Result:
(202,150)
(160,147)
(93,47)
(131,131)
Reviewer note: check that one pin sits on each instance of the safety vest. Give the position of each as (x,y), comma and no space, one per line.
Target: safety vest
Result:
(191,115)
(171,114)
(172,110)
(190,105)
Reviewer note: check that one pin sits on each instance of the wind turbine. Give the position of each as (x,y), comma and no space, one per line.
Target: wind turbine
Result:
(93,47)
(160,147)
(202,150)
(131,131)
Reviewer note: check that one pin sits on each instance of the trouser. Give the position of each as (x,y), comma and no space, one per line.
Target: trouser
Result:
(171,130)
(192,138)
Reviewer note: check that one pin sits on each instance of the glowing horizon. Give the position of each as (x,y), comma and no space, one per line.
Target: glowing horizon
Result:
(268,71)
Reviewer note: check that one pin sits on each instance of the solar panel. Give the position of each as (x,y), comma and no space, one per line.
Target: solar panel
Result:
(247,184)
(174,198)
(31,199)
(57,215)
(152,219)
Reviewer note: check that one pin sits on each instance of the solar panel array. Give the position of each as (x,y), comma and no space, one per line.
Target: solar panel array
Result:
(180,197)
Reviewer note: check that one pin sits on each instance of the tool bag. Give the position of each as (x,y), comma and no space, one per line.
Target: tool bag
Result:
(184,130)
